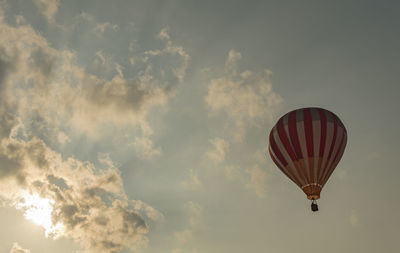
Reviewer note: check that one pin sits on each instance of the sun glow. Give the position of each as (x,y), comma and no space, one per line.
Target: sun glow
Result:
(39,211)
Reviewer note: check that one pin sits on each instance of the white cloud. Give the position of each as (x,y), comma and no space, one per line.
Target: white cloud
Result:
(148,210)
(145,149)
(99,28)
(119,70)
(252,178)
(184,236)
(50,91)
(218,152)
(231,172)
(246,98)
(42,91)
(193,183)
(83,200)
(261,156)
(195,212)
(48,8)
(101,57)
(63,138)
(171,49)
(231,62)
(164,34)
(243,100)
(18,249)
(257,181)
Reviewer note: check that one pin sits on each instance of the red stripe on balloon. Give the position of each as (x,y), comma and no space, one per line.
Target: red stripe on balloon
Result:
(294,138)
(284,139)
(322,117)
(323,132)
(308,132)
(290,176)
(324,170)
(334,137)
(276,150)
(336,158)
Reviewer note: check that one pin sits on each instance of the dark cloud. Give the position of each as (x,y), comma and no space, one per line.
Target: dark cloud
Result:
(7,65)
(43,61)
(11,167)
(118,94)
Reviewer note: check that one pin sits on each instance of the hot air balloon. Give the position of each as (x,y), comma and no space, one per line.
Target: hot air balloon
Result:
(307,144)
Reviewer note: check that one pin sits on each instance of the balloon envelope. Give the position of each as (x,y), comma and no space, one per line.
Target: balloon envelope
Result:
(307,144)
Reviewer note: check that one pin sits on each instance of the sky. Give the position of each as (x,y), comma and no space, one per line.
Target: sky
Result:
(142,126)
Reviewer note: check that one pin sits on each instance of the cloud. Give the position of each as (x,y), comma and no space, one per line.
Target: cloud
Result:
(184,236)
(47,99)
(246,98)
(48,8)
(63,138)
(195,212)
(193,183)
(242,100)
(18,249)
(43,92)
(83,200)
(231,62)
(252,178)
(99,28)
(195,215)
(52,93)
(144,147)
(148,210)
(101,57)
(257,181)
(218,152)
(171,49)
(231,172)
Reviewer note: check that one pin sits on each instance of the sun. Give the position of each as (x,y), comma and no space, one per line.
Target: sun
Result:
(39,210)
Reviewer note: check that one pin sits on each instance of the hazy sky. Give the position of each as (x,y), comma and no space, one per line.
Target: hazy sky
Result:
(142,126)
